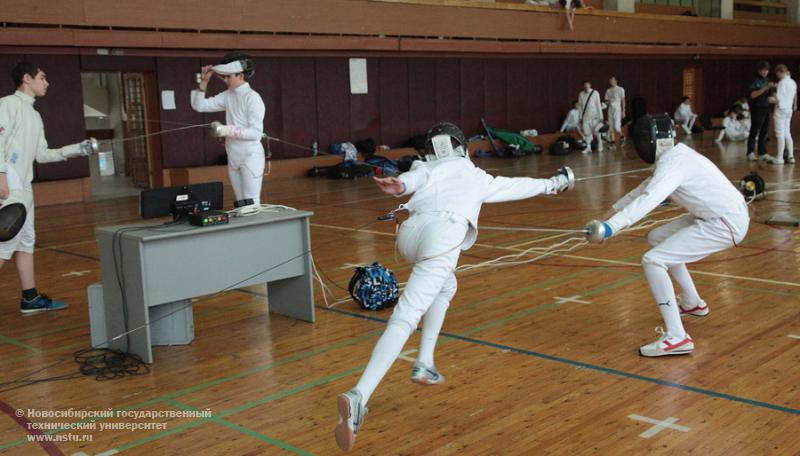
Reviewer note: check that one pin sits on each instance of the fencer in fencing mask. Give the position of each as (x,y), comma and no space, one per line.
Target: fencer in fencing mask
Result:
(445,140)
(652,136)
(235,63)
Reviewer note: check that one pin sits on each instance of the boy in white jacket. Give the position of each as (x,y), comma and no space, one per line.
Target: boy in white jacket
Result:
(785,106)
(244,116)
(448,192)
(22,142)
(591,116)
(717,220)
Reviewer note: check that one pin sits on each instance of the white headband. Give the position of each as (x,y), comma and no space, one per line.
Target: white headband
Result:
(227,69)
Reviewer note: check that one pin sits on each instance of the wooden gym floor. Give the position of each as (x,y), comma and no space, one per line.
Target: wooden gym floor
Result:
(540,358)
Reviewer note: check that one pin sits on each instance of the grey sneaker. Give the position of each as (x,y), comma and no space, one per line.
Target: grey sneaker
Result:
(351,416)
(752,157)
(789,159)
(424,375)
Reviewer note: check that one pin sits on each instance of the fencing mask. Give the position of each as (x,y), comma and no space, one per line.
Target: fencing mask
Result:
(12,217)
(235,63)
(445,140)
(653,135)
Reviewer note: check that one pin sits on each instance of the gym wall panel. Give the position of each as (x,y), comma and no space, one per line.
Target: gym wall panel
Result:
(365,109)
(182,148)
(333,100)
(394,104)
(472,97)
(117,63)
(495,94)
(267,83)
(448,91)
(62,114)
(518,91)
(298,104)
(421,94)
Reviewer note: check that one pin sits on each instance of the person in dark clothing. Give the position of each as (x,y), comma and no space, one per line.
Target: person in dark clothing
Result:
(759,91)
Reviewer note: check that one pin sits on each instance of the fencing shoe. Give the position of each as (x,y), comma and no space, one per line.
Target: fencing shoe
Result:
(351,416)
(667,344)
(424,375)
(697,310)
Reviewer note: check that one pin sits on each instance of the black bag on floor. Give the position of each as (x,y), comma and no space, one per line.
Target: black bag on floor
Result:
(559,148)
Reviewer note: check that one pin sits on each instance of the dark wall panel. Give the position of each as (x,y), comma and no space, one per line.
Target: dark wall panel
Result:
(394,108)
(365,109)
(268,84)
(421,94)
(448,91)
(117,63)
(518,90)
(333,101)
(494,94)
(472,97)
(185,147)
(62,114)
(298,104)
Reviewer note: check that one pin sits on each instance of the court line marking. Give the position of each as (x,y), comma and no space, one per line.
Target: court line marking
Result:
(25,423)
(572,299)
(794,336)
(658,426)
(597,368)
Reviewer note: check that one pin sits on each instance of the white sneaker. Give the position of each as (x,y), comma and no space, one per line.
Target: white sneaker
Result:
(790,159)
(587,151)
(767,158)
(424,375)
(351,417)
(752,157)
(697,310)
(667,344)
(686,129)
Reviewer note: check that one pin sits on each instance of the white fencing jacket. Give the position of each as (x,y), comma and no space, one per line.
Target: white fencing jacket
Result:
(733,127)
(688,179)
(593,113)
(787,90)
(457,186)
(244,109)
(22,142)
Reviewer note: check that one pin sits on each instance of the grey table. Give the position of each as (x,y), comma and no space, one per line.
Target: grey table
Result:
(162,268)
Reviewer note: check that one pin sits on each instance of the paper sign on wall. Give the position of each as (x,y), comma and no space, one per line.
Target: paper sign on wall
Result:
(358,76)
(167,100)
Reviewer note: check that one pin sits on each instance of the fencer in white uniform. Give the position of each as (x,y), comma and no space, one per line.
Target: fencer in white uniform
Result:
(615,98)
(22,142)
(244,118)
(447,191)
(717,220)
(684,115)
(591,116)
(732,128)
(573,121)
(785,106)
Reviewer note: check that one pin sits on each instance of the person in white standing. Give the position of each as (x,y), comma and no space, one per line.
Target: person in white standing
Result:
(718,219)
(448,192)
(684,115)
(785,101)
(732,128)
(22,142)
(591,116)
(244,116)
(615,98)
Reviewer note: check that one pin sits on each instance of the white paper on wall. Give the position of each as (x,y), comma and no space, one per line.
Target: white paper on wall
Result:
(167,100)
(358,76)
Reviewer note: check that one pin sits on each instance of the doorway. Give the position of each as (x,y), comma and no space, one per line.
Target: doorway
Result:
(118,113)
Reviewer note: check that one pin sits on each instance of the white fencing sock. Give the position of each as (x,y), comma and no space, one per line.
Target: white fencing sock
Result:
(662,289)
(781,146)
(384,354)
(431,326)
(688,291)
(789,145)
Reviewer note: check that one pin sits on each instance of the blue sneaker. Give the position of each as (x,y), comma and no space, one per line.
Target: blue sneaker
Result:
(41,303)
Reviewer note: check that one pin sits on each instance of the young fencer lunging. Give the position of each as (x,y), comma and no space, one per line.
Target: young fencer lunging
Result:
(718,219)
(447,191)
